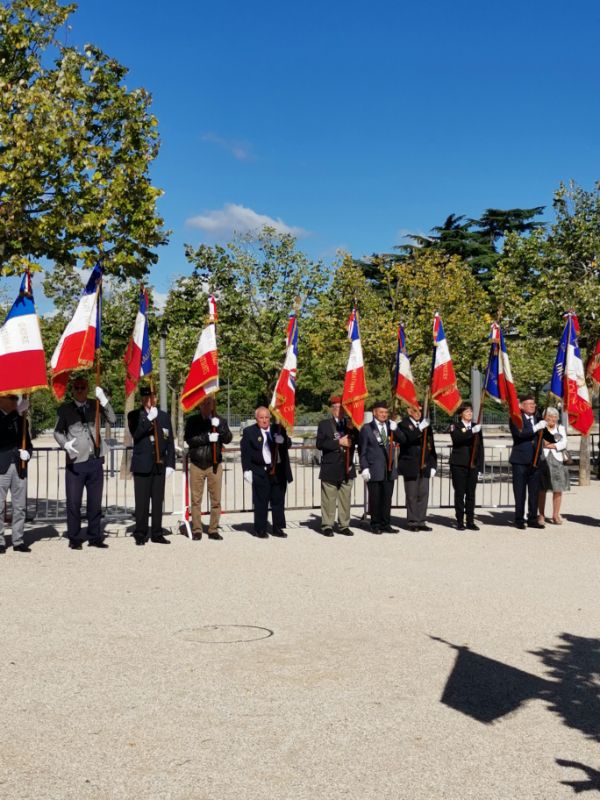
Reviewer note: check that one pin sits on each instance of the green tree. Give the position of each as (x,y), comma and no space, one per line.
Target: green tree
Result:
(75,149)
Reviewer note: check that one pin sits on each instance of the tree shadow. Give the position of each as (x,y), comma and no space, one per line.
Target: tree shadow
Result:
(487,690)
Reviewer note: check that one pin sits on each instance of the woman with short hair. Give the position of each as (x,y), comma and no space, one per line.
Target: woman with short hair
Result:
(554,473)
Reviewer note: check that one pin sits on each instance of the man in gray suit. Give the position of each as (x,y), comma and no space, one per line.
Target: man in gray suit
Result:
(13,468)
(75,433)
(377,451)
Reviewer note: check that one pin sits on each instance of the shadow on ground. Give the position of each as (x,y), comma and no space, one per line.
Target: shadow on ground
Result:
(486,690)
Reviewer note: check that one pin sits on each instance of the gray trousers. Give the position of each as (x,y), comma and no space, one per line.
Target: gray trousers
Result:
(335,495)
(10,482)
(417,496)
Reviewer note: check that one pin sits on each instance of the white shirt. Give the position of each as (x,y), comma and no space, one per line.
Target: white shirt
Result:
(561,445)
(266,448)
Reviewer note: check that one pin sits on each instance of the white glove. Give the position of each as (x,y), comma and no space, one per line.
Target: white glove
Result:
(366,475)
(24,455)
(539,426)
(279,438)
(153,413)
(101,396)
(393,425)
(214,422)
(169,471)
(432,473)
(476,428)
(248,476)
(213,437)
(71,449)
(423,424)
(23,405)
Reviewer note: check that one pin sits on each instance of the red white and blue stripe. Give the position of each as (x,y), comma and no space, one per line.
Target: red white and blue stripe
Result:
(404,385)
(138,358)
(22,357)
(444,391)
(283,402)
(568,378)
(203,377)
(81,338)
(499,382)
(355,385)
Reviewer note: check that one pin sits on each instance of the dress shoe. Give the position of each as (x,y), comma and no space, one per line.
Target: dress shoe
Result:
(460,526)
(261,534)
(345,532)
(535,524)
(375,530)
(389,529)
(472,527)
(139,541)
(22,548)
(196,535)
(413,528)
(520,526)
(2,549)
(75,546)
(327,531)
(159,539)
(215,537)
(425,528)
(100,544)
(278,532)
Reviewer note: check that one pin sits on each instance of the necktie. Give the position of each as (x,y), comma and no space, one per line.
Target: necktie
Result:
(384,436)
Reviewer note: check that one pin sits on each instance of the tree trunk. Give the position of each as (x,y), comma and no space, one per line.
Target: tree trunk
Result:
(179,422)
(174,412)
(584,461)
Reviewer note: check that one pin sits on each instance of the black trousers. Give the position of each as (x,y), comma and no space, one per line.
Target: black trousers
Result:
(148,486)
(526,483)
(268,490)
(88,475)
(380,502)
(464,481)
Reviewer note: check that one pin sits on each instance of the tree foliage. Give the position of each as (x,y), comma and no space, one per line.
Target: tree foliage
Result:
(75,149)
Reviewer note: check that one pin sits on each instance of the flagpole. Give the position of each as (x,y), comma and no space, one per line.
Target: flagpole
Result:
(214,403)
(98,322)
(540,436)
(24,426)
(426,402)
(477,436)
(157,458)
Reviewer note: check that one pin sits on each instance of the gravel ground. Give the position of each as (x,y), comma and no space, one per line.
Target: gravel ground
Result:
(430,665)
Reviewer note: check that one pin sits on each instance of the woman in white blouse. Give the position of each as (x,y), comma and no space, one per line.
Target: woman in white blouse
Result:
(554,475)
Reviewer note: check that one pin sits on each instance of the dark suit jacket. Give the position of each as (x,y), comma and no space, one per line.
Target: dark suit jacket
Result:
(252,451)
(374,456)
(524,442)
(11,437)
(141,429)
(462,444)
(409,463)
(333,460)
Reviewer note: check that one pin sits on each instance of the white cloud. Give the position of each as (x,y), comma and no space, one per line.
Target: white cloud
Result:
(159,300)
(240,150)
(233,218)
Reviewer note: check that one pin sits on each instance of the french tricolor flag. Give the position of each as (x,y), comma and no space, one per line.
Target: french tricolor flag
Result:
(283,402)
(81,338)
(444,390)
(499,382)
(203,377)
(355,386)
(138,358)
(404,385)
(22,358)
(568,378)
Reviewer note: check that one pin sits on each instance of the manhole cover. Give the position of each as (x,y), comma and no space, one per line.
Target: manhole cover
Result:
(224,634)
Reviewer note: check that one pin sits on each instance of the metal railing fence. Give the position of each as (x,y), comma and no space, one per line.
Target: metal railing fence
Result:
(47,500)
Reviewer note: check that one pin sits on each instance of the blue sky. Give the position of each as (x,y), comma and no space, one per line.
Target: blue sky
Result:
(353,123)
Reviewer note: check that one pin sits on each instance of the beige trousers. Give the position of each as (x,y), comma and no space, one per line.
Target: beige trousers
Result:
(213,478)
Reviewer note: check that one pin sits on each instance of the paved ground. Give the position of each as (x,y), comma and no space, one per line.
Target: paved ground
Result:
(438,665)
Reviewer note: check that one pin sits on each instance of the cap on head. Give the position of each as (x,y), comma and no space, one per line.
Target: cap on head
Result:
(335,399)
(379,404)
(146,391)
